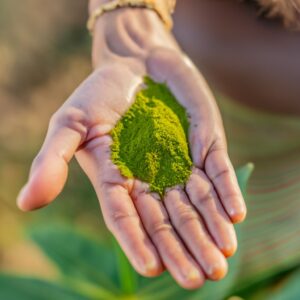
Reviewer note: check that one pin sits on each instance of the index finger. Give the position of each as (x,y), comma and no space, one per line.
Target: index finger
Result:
(124,222)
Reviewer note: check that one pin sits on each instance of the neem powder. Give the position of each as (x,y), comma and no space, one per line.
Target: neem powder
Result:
(150,140)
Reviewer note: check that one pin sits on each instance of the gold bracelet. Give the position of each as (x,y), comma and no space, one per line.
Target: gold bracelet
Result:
(164,9)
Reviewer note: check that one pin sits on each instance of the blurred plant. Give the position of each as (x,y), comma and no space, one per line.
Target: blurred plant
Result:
(92,271)
(290,289)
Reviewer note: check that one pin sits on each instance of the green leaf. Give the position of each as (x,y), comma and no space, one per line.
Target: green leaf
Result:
(22,288)
(76,255)
(290,290)
(243,174)
(127,275)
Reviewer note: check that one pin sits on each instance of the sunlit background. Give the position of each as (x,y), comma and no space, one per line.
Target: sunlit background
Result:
(44,55)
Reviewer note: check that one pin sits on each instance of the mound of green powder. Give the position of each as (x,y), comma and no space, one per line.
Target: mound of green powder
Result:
(150,140)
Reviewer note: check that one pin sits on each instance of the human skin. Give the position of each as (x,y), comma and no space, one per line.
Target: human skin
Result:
(251,59)
(190,233)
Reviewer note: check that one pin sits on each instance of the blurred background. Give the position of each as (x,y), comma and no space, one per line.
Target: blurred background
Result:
(45,54)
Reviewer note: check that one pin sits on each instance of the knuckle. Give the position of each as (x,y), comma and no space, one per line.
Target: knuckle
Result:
(185,216)
(219,143)
(70,117)
(201,191)
(74,115)
(203,199)
(222,173)
(160,227)
(117,219)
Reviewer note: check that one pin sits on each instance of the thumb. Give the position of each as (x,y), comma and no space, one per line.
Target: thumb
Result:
(49,170)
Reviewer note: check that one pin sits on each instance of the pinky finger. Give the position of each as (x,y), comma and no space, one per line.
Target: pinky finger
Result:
(220,171)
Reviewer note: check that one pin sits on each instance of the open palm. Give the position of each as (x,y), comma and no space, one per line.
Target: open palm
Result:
(190,232)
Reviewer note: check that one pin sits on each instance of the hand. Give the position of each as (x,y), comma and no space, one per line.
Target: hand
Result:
(190,232)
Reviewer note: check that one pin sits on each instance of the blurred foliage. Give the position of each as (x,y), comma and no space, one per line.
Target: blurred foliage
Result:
(44,54)
(92,271)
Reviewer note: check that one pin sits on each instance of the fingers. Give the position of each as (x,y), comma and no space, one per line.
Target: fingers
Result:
(174,255)
(220,171)
(192,230)
(118,210)
(191,90)
(50,168)
(123,221)
(204,198)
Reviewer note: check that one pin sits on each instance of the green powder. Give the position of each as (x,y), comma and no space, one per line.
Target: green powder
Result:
(150,140)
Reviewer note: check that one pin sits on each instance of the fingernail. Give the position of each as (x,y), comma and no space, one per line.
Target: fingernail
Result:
(146,266)
(192,275)
(238,214)
(150,266)
(217,271)
(229,249)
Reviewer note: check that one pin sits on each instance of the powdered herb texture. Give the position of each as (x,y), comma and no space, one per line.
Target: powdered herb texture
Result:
(150,140)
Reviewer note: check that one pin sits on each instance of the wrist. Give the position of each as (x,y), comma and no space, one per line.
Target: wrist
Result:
(128,33)
(163,8)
